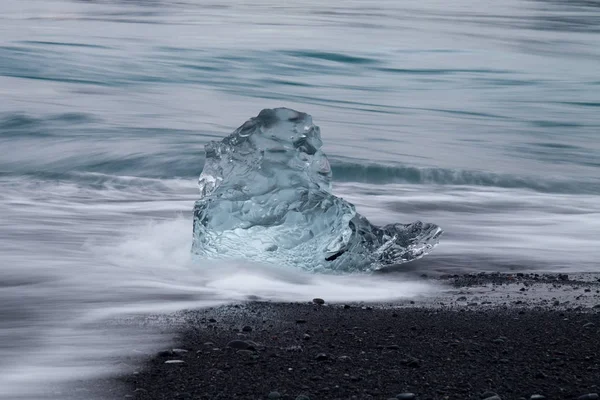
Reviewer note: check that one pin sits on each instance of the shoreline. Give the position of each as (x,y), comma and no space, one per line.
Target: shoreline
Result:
(515,335)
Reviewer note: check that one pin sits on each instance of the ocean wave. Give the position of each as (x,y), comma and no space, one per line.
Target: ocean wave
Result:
(384,174)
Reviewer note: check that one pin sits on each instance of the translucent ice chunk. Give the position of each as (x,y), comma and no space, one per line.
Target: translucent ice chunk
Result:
(266,196)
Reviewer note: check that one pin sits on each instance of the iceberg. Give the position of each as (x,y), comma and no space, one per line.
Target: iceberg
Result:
(266,196)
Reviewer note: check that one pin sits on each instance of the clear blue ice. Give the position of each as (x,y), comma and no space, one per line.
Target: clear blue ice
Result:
(266,197)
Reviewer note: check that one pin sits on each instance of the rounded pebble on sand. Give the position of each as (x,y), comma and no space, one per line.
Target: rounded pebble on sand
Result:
(174,362)
(247,328)
(238,344)
(406,396)
(274,395)
(537,397)
(318,301)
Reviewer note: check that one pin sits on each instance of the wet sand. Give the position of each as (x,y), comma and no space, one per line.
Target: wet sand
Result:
(514,336)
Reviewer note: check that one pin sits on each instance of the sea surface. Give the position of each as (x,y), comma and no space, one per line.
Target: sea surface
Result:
(480,116)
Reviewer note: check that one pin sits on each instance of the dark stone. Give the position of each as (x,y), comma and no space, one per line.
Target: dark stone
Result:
(589,325)
(406,396)
(274,395)
(393,347)
(300,321)
(563,277)
(318,301)
(306,336)
(321,357)
(247,328)
(589,396)
(487,395)
(212,320)
(537,397)
(238,344)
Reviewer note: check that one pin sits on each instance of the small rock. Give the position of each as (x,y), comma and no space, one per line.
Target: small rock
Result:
(274,395)
(247,328)
(300,321)
(393,347)
(318,301)
(174,362)
(238,344)
(212,320)
(321,357)
(537,397)
(346,306)
(306,336)
(589,396)
(406,396)
(179,351)
(462,298)
(589,325)
(344,358)
(561,277)
(489,395)
(302,397)
(556,303)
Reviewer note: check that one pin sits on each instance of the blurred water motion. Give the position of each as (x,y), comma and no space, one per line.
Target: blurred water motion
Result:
(482,117)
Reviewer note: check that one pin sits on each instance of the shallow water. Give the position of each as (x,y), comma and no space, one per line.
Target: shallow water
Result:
(482,118)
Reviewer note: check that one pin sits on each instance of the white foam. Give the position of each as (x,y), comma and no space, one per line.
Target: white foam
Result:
(78,262)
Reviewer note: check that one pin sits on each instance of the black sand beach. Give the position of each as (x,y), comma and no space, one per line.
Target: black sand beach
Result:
(509,336)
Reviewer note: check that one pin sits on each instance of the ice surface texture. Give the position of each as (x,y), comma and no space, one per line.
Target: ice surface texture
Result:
(266,196)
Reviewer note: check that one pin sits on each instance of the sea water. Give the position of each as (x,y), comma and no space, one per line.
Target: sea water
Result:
(483,117)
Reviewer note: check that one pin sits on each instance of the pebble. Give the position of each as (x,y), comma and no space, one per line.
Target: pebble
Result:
(321,357)
(174,362)
(589,396)
(589,325)
(318,301)
(247,328)
(306,336)
(274,395)
(494,397)
(238,344)
(179,351)
(300,321)
(406,396)
(487,395)
(537,397)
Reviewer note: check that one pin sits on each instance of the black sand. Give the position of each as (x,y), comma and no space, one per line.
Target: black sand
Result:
(459,350)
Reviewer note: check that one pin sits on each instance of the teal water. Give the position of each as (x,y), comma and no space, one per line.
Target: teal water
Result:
(482,117)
